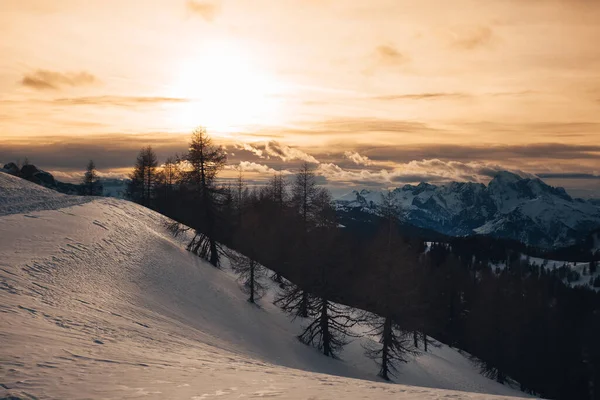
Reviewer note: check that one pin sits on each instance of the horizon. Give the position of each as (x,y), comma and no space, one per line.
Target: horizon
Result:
(393,94)
(336,192)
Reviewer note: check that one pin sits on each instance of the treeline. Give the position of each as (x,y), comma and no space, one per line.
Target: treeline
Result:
(520,321)
(90,184)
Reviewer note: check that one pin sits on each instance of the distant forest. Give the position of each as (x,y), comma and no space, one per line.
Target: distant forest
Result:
(519,323)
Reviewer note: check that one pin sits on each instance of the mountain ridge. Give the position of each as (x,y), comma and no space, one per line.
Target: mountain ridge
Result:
(509,206)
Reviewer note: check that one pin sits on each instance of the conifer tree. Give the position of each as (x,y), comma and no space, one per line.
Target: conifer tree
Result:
(144,177)
(293,299)
(394,264)
(204,161)
(91,180)
(276,196)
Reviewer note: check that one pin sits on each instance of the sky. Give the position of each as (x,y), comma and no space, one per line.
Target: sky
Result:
(375,93)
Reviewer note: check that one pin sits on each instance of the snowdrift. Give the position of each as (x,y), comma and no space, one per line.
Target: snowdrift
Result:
(97,300)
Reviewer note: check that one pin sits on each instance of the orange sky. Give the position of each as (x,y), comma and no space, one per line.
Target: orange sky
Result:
(374,91)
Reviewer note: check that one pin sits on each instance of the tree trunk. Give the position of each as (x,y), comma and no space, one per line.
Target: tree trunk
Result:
(214,258)
(500,377)
(304,305)
(387,337)
(325,328)
(416,339)
(251,299)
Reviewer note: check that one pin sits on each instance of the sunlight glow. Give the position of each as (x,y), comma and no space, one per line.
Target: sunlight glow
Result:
(227,90)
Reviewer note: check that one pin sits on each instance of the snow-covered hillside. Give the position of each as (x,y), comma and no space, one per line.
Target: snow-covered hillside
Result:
(510,206)
(99,301)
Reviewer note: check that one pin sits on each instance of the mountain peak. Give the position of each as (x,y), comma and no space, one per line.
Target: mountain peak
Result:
(518,207)
(506,177)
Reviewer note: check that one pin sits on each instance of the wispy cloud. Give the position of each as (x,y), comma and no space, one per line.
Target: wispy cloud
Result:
(471,37)
(389,55)
(422,96)
(119,101)
(204,9)
(42,79)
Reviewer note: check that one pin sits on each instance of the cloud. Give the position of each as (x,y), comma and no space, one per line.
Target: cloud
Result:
(422,96)
(118,101)
(362,125)
(206,10)
(109,151)
(276,149)
(51,80)
(248,147)
(471,37)
(248,166)
(287,153)
(77,176)
(389,55)
(490,153)
(567,175)
(433,170)
(357,158)
(106,100)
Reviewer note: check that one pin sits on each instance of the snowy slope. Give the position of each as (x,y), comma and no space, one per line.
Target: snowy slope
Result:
(98,301)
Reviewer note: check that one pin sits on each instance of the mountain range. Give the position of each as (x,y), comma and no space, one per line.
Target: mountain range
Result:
(510,206)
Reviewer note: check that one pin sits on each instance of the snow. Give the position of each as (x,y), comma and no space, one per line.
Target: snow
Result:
(524,209)
(15,197)
(99,301)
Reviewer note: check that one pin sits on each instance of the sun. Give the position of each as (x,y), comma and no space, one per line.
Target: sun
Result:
(226,90)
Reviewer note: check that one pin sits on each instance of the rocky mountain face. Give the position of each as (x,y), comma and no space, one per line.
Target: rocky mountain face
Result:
(509,207)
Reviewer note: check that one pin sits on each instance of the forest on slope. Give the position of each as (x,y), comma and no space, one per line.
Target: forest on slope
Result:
(521,322)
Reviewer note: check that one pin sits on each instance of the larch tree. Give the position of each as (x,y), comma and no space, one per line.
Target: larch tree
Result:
(204,161)
(329,324)
(167,181)
(276,195)
(144,177)
(293,299)
(248,240)
(394,265)
(91,180)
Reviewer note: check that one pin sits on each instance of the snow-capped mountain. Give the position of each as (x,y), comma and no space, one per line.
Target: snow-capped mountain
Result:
(510,206)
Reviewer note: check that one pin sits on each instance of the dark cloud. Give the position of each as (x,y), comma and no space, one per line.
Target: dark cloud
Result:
(567,175)
(480,152)
(108,151)
(52,80)
(554,128)
(382,166)
(204,9)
